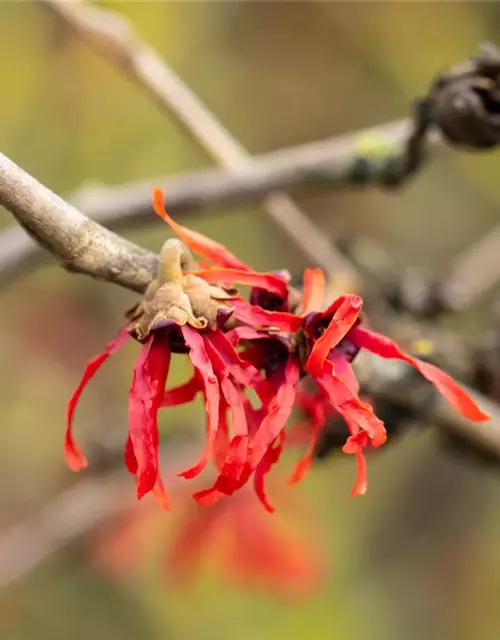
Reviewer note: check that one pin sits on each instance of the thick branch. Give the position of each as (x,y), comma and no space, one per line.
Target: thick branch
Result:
(79,244)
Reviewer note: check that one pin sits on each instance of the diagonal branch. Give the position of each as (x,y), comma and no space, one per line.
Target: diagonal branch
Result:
(318,165)
(115,39)
(473,273)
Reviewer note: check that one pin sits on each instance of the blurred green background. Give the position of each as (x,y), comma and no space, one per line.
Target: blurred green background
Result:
(418,557)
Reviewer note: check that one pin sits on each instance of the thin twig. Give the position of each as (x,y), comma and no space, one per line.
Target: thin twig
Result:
(319,165)
(115,39)
(78,243)
(474,272)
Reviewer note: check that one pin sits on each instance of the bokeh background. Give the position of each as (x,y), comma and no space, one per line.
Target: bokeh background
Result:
(418,557)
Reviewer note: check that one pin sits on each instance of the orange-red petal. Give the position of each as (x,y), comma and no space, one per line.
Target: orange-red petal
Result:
(199,357)
(458,398)
(197,242)
(358,415)
(313,293)
(146,393)
(268,281)
(356,444)
(277,413)
(316,424)
(72,452)
(271,457)
(259,318)
(182,394)
(341,323)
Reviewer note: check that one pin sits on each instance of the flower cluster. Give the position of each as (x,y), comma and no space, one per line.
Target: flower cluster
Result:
(272,343)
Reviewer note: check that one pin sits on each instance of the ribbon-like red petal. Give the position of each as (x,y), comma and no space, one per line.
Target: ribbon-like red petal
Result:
(316,423)
(183,394)
(358,415)
(458,398)
(341,323)
(268,281)
(240,334)
(72,452)
(199,357)
(145,396)
(313,293)
(130,459)
(236,458)
(257,317)
(356,444)
(271,457)
(197,242)
(242,371)
(221,441)
(277,411)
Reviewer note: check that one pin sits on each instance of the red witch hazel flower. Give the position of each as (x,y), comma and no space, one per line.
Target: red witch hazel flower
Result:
(270,344)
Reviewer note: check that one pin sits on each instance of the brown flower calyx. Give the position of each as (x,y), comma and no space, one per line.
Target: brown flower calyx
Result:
(177,296)
(464,102)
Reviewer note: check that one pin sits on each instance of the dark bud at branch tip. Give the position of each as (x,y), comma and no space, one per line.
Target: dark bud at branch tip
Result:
(465,101)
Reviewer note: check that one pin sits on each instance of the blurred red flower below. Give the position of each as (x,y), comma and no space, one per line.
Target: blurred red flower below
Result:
(236,539)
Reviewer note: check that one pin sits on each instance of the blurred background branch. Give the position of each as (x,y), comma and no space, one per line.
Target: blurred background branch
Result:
(114,38)
(314,166)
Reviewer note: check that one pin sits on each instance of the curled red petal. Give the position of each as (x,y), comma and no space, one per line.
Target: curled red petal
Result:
(239,334)
(313,293)
(344,370)
(235,470)
(145,396)
(316,424)
(160,495)
(341,323)
(234,397)
(221,441)
(197,242)
(271,457)
(242,371)
(225,484)
(358,415)
(277,412)
(74,457)
(356,444)
(268,281)
(199,357)
(182,394)
(458,398)
(130,459)
(257,317)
